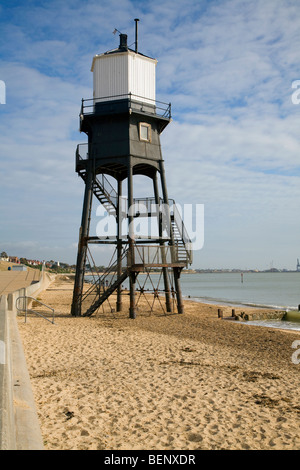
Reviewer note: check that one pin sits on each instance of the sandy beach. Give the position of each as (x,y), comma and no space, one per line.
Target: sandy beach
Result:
(160,382)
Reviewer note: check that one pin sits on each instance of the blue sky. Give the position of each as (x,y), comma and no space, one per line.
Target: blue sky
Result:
(227,67)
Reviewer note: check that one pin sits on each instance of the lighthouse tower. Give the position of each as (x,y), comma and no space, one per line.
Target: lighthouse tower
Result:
(123,122)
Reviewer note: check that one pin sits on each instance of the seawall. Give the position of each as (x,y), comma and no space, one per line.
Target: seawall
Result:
(19,426)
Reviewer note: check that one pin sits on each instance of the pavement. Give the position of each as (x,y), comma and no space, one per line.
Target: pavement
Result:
(10,281)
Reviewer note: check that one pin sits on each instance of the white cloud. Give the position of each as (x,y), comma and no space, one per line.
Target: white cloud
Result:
(227,66)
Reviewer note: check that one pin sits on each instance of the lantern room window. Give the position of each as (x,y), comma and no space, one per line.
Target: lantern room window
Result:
(145,132)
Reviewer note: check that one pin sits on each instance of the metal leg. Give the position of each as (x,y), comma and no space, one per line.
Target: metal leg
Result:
(132,308)
(176,271)
(180,305)
(82,245)
(132,277)
(165,270)
(119,245)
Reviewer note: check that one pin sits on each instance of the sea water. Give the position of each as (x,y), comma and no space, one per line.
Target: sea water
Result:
(265,290)
(275,290)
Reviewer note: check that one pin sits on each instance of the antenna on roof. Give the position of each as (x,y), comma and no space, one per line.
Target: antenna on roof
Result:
(136,34)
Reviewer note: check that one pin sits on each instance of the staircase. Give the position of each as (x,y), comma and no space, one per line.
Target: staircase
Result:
(104,197)
(106,293)
(181,237)
(182,251)
(104,192)
(103,287)
(108,197)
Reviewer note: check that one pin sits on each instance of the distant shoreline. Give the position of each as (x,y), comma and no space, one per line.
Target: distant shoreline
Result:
(207,271)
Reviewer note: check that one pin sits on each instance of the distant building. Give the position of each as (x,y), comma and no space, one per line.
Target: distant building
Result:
(19,267)
(14,259)
(34,262)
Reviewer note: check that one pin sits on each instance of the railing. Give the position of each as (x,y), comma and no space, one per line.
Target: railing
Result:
(25,309)
(135,102)
(148,206)
(108,277)
(107,188)
(157,255)
(82,152)
(182,231)
(143,206)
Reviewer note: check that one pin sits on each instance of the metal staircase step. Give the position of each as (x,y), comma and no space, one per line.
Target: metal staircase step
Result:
(100,194)
(106,294)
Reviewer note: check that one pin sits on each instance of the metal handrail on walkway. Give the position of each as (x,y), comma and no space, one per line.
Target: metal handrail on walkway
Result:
(26,310)
(149,105)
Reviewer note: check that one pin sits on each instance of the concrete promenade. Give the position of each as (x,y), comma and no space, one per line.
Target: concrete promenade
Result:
(11,281)
(19,426)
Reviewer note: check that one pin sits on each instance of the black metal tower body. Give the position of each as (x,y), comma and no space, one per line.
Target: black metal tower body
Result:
(123,132)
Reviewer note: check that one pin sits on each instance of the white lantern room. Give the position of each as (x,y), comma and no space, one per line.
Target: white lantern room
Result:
(121,72)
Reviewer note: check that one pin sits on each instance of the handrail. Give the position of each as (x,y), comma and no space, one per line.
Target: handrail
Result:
(155,255)
(106,187)
(147,204)
(26,310)
(150,204)
(110,271)
(182,231)
(159,107)
(109,189)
